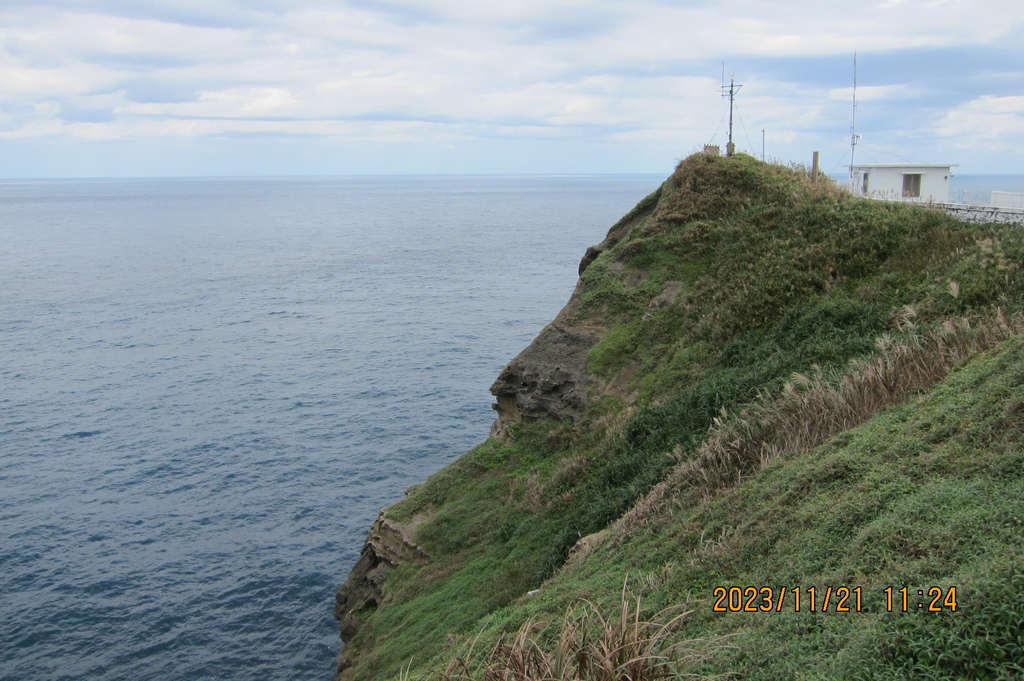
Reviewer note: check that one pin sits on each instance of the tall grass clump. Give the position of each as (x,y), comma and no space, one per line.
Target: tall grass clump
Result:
(808,410)
(587,645)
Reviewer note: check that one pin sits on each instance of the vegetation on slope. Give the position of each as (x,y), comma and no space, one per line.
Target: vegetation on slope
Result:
(785,291)
(926,494)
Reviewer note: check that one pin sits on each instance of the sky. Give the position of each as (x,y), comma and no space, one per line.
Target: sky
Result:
(157,88)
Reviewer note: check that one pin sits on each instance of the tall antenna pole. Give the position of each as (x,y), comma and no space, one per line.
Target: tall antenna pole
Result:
(853,119)
(730,148)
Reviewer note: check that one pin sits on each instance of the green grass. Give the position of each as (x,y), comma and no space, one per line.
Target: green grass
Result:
(778,276)
(929,494)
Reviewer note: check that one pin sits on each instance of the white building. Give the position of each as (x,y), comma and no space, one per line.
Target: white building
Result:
(902,182)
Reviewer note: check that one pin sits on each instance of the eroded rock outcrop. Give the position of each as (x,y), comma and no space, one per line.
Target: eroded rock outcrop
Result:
(549,378)
(388,544)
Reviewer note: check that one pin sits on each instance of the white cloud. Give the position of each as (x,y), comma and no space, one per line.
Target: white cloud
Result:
(873,93)
(990,123)
(458,69)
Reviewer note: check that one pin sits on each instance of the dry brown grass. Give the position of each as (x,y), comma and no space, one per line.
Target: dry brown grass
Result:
(588,646)
(526,491)
(810,409)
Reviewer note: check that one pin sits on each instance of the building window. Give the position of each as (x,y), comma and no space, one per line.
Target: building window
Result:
(912,185)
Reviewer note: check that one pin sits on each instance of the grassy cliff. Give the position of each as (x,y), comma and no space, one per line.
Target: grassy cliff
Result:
(779,385)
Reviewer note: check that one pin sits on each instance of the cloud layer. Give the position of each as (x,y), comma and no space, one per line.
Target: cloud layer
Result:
(529,86)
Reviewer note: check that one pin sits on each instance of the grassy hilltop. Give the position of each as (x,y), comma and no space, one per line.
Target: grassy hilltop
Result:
(786,386)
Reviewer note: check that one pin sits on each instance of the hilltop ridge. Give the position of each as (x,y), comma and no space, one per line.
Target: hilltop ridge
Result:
(749,386)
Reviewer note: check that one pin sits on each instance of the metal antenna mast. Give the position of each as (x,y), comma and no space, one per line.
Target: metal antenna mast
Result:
(853,121)
(730,148)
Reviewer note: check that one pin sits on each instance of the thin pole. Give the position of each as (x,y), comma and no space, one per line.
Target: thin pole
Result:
(730,148)
(732,98)
(853,119)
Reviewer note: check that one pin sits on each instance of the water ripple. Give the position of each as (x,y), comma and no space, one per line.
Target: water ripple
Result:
(211,387)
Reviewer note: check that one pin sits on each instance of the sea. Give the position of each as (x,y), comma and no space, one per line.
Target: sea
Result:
(978,188)
(210,387)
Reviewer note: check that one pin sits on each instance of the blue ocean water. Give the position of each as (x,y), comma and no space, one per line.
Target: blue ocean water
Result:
(979,188)
(208,388)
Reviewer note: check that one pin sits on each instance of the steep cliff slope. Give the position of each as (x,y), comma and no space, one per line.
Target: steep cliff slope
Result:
(709,409)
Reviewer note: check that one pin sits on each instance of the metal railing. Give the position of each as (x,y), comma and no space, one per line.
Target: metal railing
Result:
(1007,199)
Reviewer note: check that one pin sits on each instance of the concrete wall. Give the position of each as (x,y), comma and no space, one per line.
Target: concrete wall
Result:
(980,214)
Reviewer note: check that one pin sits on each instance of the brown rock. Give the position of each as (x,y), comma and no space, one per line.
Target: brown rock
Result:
(388,544)
(549,377)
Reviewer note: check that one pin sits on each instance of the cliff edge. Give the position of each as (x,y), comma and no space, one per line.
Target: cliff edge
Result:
(759,379)
(549,379)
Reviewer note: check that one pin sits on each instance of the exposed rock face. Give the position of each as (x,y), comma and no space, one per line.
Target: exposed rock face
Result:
(549,377)
(388,544)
